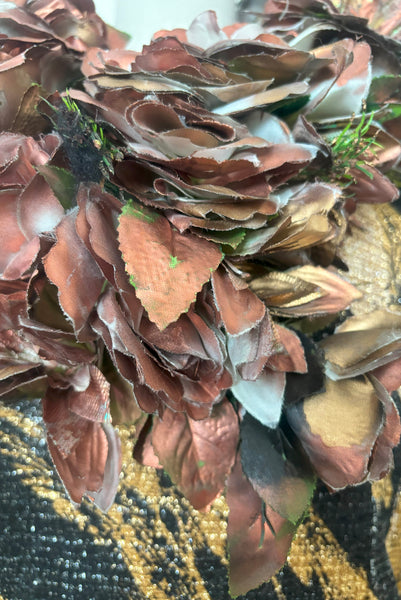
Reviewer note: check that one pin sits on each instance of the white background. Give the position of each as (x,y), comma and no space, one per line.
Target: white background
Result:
(142,18)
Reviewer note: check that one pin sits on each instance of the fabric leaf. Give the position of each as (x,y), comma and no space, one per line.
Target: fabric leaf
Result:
(197,455)
(240,309)
(72,269)
(305,291)
(278,473)
(363,343)
(166,268)
(262,398)
(340,428)
(258,538)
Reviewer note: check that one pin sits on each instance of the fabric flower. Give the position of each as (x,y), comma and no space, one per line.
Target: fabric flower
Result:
(173,232)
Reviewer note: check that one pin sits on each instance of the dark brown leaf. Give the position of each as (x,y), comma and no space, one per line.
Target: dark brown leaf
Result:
(258,538)
(279,473)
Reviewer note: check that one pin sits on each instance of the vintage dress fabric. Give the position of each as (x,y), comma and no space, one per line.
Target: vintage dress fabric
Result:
(152,544)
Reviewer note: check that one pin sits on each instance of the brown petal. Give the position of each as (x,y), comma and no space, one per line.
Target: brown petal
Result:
(166,268)
(240,309)
(12,237)
(13,304)
(389,375)
(382,456)
(292,356)
(270,96)
(95,226)
(280,474)
(250,350)
(123,405)
(93,402)
(83,470)
(152,384)
(363,343)
(338,429)
(79,280)
(144,452)
(64,428)
(258,538)
(48,210)
(15,375)
(372,186)
(198,455)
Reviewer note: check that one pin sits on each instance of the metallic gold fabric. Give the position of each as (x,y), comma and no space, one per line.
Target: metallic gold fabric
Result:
(152,544)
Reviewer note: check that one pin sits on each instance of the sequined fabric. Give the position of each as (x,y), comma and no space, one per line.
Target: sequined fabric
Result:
(152,544)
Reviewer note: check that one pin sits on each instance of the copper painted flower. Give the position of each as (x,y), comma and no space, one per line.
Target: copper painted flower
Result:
(176,255)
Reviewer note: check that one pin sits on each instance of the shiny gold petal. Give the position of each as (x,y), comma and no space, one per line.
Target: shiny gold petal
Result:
(304,291)
(363,343)
(338,434)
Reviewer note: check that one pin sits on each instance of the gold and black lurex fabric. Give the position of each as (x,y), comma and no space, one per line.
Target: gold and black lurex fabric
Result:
(153,545)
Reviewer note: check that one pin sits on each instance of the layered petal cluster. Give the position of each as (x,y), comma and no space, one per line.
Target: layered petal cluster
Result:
(173,226)
(41,49)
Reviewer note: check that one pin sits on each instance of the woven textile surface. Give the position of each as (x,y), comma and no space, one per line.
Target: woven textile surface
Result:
(152,544)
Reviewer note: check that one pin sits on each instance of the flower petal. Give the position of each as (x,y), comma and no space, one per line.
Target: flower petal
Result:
(339,429)
(166,268)
(279,473)
(258,538)
(79,280)
(198,455)
(262,398)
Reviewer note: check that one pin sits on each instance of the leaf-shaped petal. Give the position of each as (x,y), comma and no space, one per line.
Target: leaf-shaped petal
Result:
(258,538)
(340,428)
(167,268)
(72,269)
(240,309)
(92,467)
(278,473)
(363,343)
(304,291)
(291,355)
(198,455)
(262,398)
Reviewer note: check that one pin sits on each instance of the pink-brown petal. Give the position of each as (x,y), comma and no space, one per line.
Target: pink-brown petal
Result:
(198,455)
(166,268)
(72,269)
(240,309)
